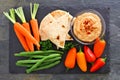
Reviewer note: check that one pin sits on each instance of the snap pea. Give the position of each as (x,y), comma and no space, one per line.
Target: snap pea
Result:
(39,62)
(47,66)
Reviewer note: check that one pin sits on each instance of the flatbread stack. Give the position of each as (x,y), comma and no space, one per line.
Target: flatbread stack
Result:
(55,27)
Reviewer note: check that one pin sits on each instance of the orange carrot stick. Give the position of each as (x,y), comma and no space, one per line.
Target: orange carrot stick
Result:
(29,43)
(34,25)
(25,33)
(20,37)
(20,13)
(34,22)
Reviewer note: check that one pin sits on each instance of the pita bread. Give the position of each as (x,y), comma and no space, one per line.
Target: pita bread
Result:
(58,13)
(55,27)
(57,31)
(46,20)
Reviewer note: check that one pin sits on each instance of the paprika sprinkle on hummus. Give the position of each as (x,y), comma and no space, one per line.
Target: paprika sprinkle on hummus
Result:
(87,26)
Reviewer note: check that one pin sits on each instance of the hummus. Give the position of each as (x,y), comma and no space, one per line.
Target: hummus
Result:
(87,27)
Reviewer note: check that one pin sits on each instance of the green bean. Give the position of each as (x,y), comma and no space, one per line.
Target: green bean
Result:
(30,55)
(37,56)
(34,61)
(40,61)
(48,63)
(47,66)
(45,62)
(27,61)
(35,66)
(53,59)
(27,54)
(24,65)
(41,52)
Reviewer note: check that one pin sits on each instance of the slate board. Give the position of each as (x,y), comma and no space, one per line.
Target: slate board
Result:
(15,46)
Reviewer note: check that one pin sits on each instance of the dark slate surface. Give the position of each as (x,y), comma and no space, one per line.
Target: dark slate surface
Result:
(114,41)
(59,69)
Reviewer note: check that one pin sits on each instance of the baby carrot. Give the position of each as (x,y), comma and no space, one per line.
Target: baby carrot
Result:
(24,32)
(20,37)
(20,28)
(81,61)
(34,22)
(20,13)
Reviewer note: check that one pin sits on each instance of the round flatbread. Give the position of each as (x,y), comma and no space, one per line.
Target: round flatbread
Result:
(56,23)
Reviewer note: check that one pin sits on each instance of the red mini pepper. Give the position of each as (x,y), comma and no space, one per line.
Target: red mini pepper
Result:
(99,47)
(100,62)
(90,57)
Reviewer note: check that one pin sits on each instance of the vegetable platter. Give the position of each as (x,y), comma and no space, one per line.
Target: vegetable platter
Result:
(43,54)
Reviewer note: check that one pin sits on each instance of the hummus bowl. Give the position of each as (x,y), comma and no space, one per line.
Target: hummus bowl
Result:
(87,26)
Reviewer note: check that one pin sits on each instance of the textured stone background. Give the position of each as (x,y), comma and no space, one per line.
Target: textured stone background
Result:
(114,5)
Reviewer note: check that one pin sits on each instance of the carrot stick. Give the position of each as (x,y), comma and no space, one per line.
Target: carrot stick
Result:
(22,40)
(30,44)
(20,37)
(20,13)
(24,32)
(21,29)
(34,22)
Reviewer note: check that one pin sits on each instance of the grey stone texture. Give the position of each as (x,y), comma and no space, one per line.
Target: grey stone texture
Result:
(114,25)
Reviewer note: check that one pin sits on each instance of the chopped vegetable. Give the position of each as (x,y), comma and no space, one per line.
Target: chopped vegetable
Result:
(24,32)
(99,63)
(34,22)
(20,28)
(90,57)
(99,47)
(20,13)
(20,37)
(70,58)
(81,61)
